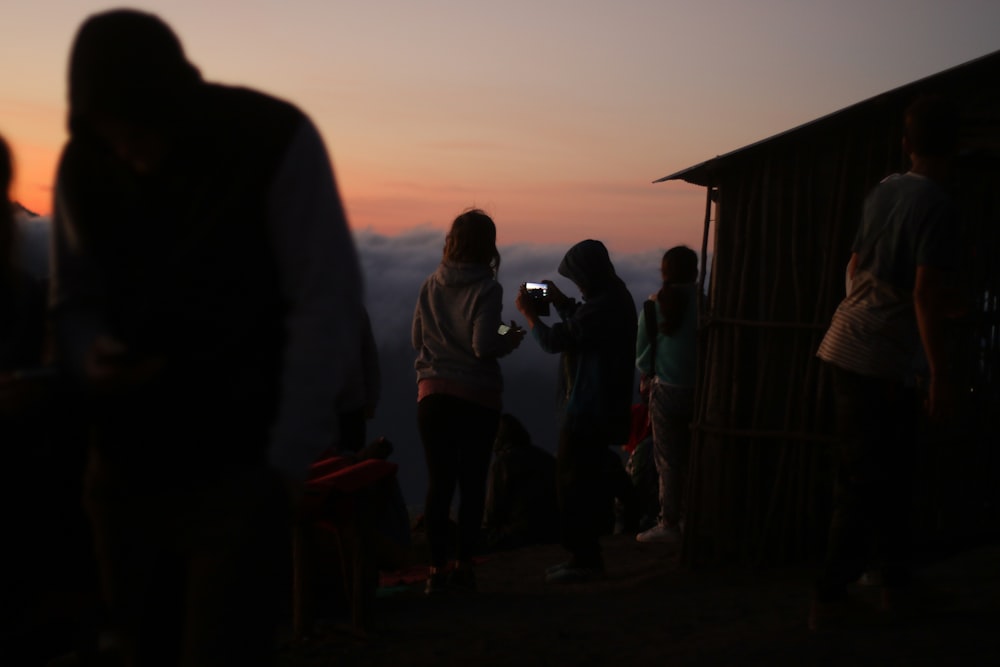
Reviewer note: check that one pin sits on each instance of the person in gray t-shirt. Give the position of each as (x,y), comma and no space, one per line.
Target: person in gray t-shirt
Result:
(899,274)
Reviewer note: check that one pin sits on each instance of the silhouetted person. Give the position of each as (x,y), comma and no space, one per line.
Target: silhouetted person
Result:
(206,296)
(596,339)
(521,494)
(458,339)
(666,354)
(24,385)
(904,254)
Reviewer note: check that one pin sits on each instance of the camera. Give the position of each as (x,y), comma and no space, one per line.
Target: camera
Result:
(539,293)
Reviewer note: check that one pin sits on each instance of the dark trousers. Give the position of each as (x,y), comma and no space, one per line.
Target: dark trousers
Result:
(870,525)
(458,440)
(585,485)
(192,575)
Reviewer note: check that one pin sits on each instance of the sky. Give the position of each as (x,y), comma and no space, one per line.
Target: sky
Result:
(554,115)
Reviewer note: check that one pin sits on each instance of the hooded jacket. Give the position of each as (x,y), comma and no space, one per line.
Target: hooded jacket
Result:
(455,326)
(597,341)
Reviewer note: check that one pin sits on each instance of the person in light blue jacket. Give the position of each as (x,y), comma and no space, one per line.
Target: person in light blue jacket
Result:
(666,356)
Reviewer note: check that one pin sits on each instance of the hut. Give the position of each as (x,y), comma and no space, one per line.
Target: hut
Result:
(781,215)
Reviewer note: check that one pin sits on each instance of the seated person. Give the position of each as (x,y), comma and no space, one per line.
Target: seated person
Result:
(521,494)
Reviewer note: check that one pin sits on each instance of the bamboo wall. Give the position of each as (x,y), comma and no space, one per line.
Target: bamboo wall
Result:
(760,481)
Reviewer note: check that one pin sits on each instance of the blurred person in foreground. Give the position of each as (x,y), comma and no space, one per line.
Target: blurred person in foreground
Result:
(900,295)
(596,339)
(207,297)
(459,336)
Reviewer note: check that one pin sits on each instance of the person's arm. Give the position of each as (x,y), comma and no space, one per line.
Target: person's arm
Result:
(417,329)
(852,267)
(934,302)
(85,346)
(487,341)
(75,291)
(559,337)
(643,347)
(321,283)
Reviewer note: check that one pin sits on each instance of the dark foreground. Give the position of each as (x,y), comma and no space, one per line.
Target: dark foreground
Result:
(650,612)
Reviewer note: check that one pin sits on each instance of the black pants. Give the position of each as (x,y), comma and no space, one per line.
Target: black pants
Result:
(585,484)
(458,440)
(870,526)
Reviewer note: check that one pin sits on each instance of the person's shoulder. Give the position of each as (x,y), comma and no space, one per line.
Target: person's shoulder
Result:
(242,95)
(249,109)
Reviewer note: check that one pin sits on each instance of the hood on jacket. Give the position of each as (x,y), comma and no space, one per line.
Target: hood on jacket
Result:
(455,274)
(128,65)
(589,266)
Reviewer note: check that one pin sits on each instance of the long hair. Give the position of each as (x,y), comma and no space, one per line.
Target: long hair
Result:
(679,266)
(6,213)
(473,240)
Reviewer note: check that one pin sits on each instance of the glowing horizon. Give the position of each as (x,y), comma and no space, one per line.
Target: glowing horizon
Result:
(555,117)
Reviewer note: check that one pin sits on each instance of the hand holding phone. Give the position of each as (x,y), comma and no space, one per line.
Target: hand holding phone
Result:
(512,333)
(539,293)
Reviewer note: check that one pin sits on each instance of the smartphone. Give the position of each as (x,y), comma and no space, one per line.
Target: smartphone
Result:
(538,292)
(503,330)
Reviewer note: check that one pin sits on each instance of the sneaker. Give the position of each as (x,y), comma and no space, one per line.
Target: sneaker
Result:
(659,533)
(437,582)
(574,575)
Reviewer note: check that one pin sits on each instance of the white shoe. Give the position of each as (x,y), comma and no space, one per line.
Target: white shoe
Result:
(659,533)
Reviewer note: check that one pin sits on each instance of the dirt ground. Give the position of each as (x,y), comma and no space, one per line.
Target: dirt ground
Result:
(649,611)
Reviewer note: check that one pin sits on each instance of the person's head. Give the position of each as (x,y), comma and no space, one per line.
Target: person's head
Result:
(128,82)
(472,239)
(589,266)
(930,128)
(679,266)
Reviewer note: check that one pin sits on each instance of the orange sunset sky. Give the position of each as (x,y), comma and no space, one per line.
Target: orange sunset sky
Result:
(554,115)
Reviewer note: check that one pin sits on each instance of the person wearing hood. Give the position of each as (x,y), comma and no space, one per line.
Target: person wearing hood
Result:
(208,300)
(596,339)
(459,335)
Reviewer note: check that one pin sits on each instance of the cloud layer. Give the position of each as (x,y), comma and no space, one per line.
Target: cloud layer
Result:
(394,268)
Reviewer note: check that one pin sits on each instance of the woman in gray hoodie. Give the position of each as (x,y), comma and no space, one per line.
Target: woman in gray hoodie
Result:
(458,335)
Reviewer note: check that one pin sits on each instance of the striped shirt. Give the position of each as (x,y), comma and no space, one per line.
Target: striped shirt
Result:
(908,221)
